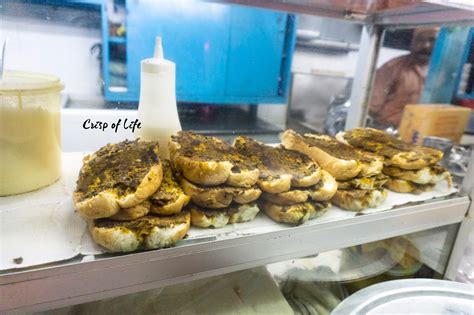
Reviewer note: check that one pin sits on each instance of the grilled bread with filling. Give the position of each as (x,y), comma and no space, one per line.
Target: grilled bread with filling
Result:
(373,182)
(340,160)
(210,161)
(218,196)
(235,213)
(169,198)
(432,174)
(279,168)
(120,175)
(132,213)
(406,186)
(148,232)
(295,214)
(359,199)
(395,151)
(324,190)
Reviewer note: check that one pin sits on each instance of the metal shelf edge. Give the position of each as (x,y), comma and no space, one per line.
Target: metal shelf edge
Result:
(83,282)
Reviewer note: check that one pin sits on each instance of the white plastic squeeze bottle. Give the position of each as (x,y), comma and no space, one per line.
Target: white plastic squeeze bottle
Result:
(157,110)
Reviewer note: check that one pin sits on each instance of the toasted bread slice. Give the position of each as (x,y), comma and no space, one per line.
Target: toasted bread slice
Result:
(322,191)
(120,175)
(359,199)
(148,232)
(373,182)
(210,161)
(279,168)
(325,189)
(208,218)
(406,186)
(132,213)
(218,196)
(235,213)
(427,175)
(395,151)
(295,214)
(169,198)
(342,161)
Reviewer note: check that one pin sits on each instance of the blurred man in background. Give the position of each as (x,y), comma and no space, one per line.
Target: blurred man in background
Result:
(400,81)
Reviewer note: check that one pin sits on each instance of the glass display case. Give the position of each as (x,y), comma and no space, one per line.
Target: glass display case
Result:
(50,263)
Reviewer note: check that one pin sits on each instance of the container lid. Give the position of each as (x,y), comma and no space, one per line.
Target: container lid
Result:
(27,81)
(420,296)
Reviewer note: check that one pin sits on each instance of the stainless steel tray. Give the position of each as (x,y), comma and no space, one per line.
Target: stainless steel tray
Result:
(413,296)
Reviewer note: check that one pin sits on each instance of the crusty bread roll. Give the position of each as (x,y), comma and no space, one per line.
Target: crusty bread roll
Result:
(235,213)
(295,214)
(169,198)
(322,191)
(395,151)
(405,186)
(427,175)
(359,199)
(342,161)
(208,160)
(120,175)
(218,196)
(279,168)
(148,232)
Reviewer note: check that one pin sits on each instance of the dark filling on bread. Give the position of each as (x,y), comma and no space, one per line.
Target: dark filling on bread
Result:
(120,166)
(306,206)
(275,161)
(144,224)
(169,189)
(337,149)
(205,148)
(382,143)
(320,205)
(210,213)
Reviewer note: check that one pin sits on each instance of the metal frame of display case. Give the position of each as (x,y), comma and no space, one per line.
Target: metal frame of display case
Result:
(82,281)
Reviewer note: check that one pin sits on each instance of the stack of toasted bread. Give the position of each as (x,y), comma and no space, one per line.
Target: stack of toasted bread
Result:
(410,168)
(130,198)
(358,174)
(221,182)
(295,189)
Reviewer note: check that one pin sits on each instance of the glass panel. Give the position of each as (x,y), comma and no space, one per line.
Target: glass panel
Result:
(315,283)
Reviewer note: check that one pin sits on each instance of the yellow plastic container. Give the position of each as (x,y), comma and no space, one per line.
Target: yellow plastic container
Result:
(30,131)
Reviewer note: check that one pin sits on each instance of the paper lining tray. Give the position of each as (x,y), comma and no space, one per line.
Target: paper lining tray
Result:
(42,227)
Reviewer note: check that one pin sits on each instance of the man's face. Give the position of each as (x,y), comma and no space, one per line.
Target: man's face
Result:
(422,44)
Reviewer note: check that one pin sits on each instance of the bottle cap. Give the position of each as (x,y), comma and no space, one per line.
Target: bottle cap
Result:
(158,63)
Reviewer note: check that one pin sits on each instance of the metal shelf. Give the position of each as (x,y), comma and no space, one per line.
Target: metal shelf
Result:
(80,282)
(418,12)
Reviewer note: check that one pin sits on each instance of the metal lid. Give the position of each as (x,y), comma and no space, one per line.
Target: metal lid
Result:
(420,296)
(14,81)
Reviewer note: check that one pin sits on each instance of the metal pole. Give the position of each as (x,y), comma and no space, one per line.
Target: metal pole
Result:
(362,86)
